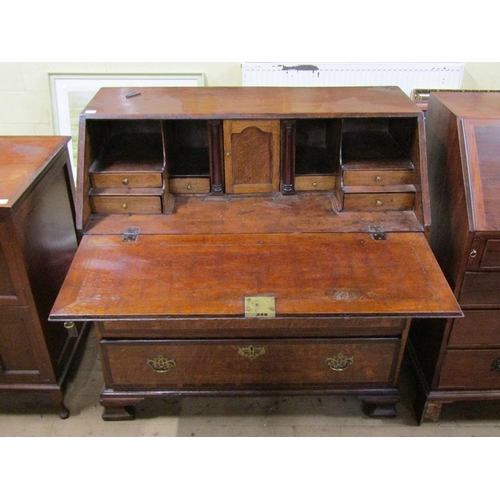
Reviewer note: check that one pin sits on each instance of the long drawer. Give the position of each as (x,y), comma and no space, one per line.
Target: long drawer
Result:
(295,363)
(473,369)
(251,328)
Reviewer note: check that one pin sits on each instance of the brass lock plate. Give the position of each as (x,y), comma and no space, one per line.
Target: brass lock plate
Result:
(260,307)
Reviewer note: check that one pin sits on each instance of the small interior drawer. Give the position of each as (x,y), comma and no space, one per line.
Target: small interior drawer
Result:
(473,369)
(126,204)
(126,179)
(248,363)
(189,185)
(377,177)
(361,202)
(314,182)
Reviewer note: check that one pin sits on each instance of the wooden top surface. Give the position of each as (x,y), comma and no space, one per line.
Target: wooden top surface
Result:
(210,275)
(482,142)
(22,160)
(249,102)
(469,104)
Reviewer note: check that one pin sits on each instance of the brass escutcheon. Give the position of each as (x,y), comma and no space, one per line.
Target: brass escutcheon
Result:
(161,364)
(251,352)
(339,362)
(495,365)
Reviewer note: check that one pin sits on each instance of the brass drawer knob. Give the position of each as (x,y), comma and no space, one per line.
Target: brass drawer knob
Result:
(251,352)
(473,254)
(314,184)
(378,203)
(339,362)
(124,205)
(189,187)
(161,364)
(125,182)
(378,178)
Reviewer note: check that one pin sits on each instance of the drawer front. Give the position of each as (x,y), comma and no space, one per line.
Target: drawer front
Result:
(247,363)
(377,177)
(476,329)
(253,328)
(481,289)
(491,255)
(126,204)
(369,202)
(471,369)
(314,182)
(194,185)
(128,180)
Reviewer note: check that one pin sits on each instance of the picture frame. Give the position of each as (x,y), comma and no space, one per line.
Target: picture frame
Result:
(70,93)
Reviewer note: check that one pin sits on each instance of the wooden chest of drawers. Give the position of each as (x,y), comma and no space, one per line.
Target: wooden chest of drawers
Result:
(268,261)
(460,359)
(38,240)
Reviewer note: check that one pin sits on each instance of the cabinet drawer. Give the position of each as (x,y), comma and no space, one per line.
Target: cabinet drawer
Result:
(481,289)
(192,185)
(369,202)
(314,182)
(226,328)
(491,255)
(377,177)
(471,369)
(127,179)
(476,328)
(248,363)
(126,204)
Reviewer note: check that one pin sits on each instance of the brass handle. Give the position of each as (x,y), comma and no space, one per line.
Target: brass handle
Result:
(378,178)
(314,184)
(251,352)
(339,362)
(189,187)
(125,182)
(379,203)
(228,153)
(473,253)
(161,364)
(124,205)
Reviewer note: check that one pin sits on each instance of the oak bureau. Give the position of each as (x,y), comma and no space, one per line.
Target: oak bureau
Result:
(459,359)
(252,241)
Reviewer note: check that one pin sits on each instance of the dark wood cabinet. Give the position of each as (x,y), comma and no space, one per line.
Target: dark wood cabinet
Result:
(459,359)
(38,240)
(259,241)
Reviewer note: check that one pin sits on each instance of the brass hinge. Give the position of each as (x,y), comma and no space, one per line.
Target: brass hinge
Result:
(130,235)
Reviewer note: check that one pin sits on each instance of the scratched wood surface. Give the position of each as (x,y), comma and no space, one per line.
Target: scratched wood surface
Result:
(210,275)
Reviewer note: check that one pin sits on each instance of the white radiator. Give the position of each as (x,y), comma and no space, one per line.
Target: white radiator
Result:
(407,76)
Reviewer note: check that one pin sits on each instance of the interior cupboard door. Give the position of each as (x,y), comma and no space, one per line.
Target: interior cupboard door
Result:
(251,160)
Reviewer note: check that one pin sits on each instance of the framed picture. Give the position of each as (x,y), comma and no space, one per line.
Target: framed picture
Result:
(70,93)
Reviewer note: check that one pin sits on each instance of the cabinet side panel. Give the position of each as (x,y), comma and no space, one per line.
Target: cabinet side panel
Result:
(46,234)
(449,231)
